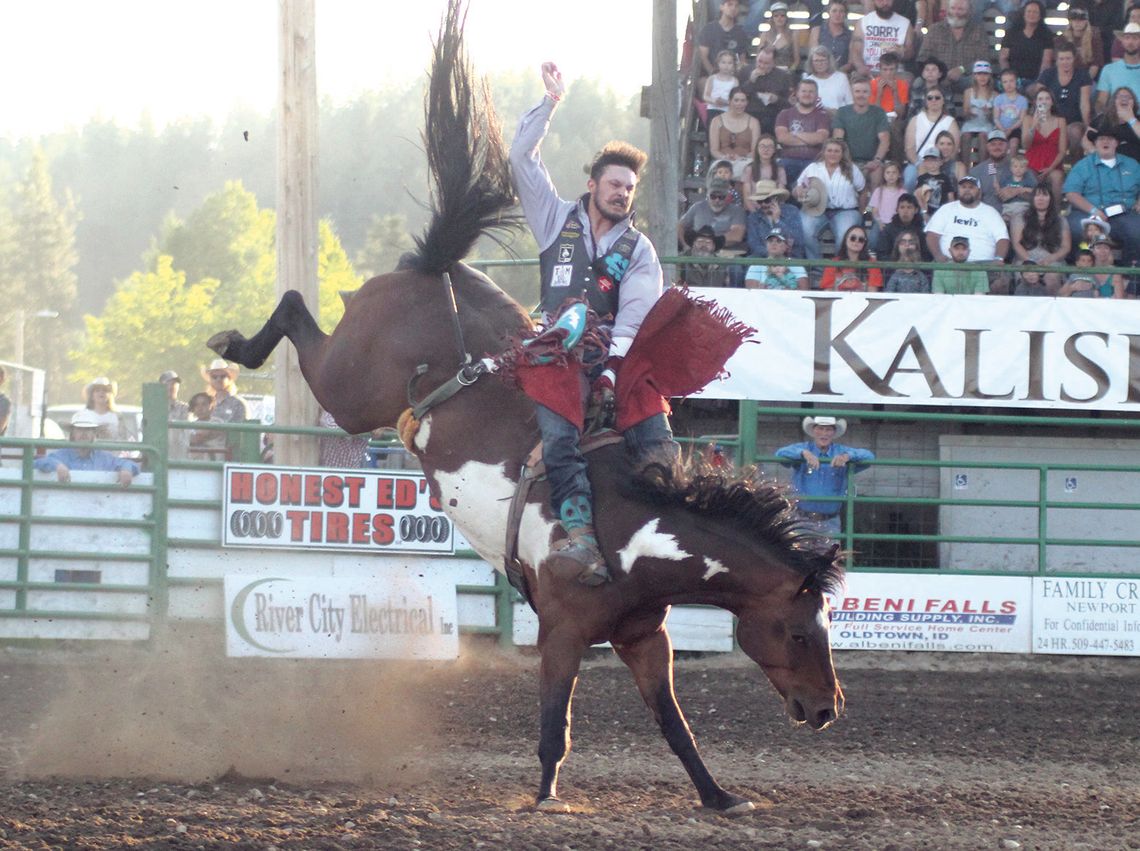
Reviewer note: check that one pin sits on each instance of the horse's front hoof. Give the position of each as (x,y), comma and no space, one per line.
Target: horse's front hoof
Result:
(552,805)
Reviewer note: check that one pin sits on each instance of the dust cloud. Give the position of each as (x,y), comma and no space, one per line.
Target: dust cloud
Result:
(178,709)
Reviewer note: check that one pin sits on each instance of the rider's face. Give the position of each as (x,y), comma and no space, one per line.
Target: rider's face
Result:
(612,193)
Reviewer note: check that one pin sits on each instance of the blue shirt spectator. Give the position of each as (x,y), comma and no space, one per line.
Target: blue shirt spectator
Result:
(84,426)
(820,469)
(1106,184)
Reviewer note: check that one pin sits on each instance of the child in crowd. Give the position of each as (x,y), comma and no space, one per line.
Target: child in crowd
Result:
(1080,284)
(907,280)
(774,277)
(1030,283)
(1010,107)
(885,199)
(932,74)
(978,104)
(932,187)
(209,445)
(722,170)
(720,85)
(1017,205)
(1091,228)
(964,281)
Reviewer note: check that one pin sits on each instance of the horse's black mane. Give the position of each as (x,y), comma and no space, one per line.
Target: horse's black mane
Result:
(467,158)
(760,508)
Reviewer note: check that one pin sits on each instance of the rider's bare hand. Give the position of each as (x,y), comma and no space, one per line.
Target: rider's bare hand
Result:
(552,78)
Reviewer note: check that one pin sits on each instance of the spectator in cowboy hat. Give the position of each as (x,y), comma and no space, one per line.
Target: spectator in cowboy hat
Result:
(819,471)
(772,212)
(704,243)
(99,398)
(220,376)
(85,426)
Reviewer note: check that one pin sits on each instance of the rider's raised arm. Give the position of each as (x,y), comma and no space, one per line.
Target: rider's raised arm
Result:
(544,210)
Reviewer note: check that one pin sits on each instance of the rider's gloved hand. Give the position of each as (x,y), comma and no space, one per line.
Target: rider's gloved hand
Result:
(602,397)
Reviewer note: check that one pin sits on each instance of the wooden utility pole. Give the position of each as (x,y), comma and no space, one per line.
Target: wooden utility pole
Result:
(296,213)
(664,130)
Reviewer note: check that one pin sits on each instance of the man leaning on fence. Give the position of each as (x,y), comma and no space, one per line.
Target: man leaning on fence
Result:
(819,474)
(84,426)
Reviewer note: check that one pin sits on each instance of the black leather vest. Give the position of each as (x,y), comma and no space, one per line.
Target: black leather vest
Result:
(567,271)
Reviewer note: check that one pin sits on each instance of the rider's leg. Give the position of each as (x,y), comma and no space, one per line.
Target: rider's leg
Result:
(571,498)
(651,441)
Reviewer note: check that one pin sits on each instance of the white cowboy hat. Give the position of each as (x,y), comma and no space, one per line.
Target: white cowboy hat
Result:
(815,197)
(1129,29)
(810,423)
(84,418)
(101,381)
(1105,227)
(217,365)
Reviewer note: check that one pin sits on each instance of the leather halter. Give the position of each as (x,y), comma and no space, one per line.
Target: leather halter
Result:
(469,370)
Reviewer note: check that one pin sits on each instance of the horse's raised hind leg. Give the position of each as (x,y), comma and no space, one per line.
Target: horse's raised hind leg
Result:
(651,661)
(290,319)
(558,675)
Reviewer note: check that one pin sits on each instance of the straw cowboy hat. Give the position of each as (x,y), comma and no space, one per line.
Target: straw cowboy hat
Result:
(762,190)
(1129,29)
(101,381)
(217,365)
(812,422)
(814,202)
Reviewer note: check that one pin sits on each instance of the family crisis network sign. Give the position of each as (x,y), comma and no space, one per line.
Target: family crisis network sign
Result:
(933,350)
(363,510)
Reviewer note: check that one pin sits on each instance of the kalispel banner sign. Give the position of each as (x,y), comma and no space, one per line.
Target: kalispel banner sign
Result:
(399,613)
(908,349)
(364,510)
(895,611)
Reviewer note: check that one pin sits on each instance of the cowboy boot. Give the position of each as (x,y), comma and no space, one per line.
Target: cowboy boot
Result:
(578,555)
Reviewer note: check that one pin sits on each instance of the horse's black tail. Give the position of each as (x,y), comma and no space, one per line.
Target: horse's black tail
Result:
(466,154)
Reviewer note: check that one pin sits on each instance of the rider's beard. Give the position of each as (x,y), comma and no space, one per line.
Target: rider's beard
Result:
(956,23)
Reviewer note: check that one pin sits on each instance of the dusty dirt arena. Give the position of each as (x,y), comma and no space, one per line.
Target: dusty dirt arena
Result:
(174,746)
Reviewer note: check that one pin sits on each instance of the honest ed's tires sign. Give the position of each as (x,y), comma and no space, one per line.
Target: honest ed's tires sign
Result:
(357,510)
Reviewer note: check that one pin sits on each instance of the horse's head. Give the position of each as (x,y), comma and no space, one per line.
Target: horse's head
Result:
(787,632)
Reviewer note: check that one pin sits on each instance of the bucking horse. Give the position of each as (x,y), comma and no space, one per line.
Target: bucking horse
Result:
(692,536)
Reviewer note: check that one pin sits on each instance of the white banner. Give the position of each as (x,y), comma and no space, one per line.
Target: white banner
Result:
(911,611)
(364,510)
(991,351)
(402,613)
(1086,616)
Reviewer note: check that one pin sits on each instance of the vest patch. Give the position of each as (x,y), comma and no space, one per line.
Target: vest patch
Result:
(565,253)
(562,276)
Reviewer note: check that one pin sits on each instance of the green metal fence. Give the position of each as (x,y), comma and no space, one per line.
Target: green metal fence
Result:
(860,542)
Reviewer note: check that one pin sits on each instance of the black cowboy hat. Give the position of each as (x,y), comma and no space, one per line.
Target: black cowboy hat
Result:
(706,230)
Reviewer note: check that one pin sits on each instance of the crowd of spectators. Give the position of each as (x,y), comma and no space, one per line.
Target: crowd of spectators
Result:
(904,130)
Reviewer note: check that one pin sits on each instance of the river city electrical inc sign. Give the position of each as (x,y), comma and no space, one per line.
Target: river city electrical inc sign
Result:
(398,613)
(358,510)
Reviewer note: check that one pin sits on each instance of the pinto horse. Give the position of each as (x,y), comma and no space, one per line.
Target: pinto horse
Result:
(669,538)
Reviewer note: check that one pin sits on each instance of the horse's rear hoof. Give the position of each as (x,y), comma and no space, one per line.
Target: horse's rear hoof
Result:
(222,342)
(739,809)
(552,805)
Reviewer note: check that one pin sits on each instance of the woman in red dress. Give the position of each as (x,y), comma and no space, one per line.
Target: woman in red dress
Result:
(1044,136)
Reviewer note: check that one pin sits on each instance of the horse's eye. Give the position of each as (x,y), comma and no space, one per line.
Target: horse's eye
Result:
(801,640)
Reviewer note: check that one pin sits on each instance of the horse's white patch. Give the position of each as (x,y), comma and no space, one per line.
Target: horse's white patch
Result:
(477,498)
(650,543)
(535,532)
(423,433)
(714,567)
